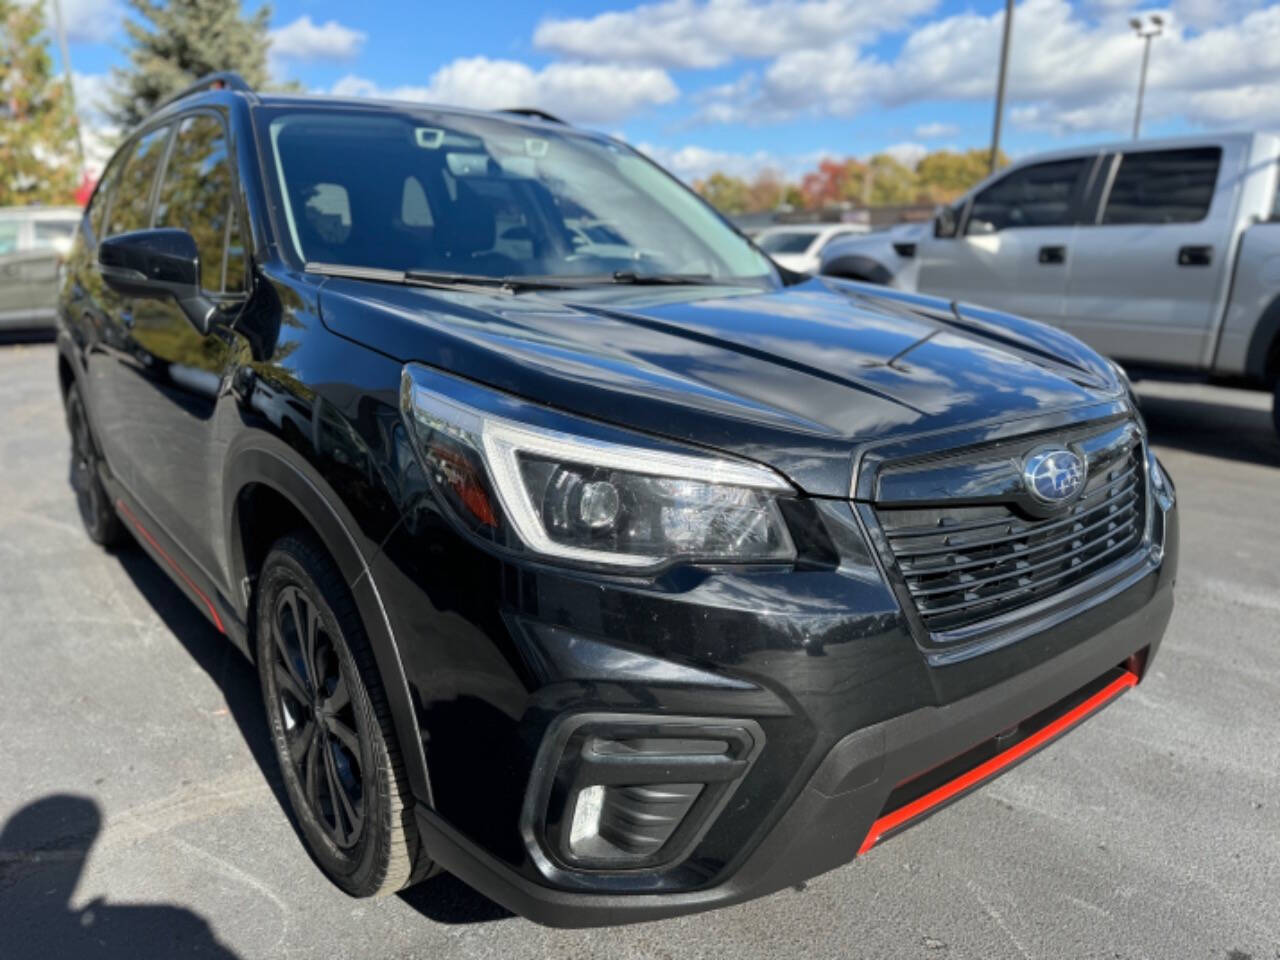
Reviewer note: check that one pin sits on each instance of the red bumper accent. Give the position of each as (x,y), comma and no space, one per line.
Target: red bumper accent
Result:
(903,816)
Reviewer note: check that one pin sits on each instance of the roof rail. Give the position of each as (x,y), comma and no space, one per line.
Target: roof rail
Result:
(535,113)
(222,80)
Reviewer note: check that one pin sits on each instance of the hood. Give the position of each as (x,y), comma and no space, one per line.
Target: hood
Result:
(797,262)
(797,377)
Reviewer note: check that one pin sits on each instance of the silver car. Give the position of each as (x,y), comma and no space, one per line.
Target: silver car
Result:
(33,243)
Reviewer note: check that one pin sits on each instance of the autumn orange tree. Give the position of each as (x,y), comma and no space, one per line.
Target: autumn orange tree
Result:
(38,158)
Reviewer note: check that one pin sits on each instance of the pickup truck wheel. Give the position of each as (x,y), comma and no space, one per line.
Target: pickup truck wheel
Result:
(1275,406)
(331,725)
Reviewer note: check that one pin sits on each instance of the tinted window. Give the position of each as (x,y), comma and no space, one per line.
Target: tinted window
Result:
(196,195)
(1163,186)
(102,195)
(790,242)
(131,204)
(1036,196)
(9,230)
(487,196)
(48,232)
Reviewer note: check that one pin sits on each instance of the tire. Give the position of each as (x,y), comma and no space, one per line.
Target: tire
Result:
(331,725)
(1275,406)
(96,511)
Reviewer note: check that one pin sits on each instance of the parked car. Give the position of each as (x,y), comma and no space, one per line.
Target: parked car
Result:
(620,585)
(1163,254)
(33,242)
(799,248)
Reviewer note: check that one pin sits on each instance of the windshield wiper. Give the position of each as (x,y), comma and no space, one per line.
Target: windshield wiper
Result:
(662,279)
(433,278)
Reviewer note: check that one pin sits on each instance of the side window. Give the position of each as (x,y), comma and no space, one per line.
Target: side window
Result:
(106,188)
(10,231)
(197,195)
(1035,196)
(50,234)
(1164,186)
(131,205)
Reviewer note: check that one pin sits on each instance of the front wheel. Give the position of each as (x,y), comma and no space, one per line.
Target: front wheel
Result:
(331,725)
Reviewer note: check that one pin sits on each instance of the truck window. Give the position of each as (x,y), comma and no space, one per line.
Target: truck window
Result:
(1036,196)
(1164,186)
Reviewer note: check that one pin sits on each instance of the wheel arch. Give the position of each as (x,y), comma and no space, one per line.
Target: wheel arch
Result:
(268,492)
(858,267)
(1262,362)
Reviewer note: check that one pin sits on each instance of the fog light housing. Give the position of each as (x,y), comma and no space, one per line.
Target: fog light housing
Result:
(618,792)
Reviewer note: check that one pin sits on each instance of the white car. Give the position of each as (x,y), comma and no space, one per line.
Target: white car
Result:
(33,243)
(800,247)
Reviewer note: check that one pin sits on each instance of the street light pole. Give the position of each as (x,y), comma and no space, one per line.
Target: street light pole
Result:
(65,52)
(1146,32)
(1000,84)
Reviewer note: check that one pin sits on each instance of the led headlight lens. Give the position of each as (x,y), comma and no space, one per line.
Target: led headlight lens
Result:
(587,499)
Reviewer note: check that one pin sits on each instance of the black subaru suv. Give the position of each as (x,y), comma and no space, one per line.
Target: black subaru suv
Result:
(583,552)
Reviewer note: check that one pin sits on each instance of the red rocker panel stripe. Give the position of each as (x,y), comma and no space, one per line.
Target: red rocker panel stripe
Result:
(213,614)
(985,771)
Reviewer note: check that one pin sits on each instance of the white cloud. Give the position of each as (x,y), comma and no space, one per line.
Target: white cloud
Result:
(85,21)
(692,162)
(710,33)
(1069,72)
(936,131)
(97,132)
(586,93)
(303,39)
(907,154)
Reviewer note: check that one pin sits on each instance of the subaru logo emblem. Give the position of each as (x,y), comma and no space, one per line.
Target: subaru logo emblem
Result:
(1053,476)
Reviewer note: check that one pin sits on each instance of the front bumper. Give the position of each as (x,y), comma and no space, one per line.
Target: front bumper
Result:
(843,806)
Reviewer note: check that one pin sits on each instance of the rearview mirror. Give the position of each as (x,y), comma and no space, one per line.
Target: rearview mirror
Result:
(156,264)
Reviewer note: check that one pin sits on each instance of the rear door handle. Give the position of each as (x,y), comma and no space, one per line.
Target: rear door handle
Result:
(1053,255)
(1195,257)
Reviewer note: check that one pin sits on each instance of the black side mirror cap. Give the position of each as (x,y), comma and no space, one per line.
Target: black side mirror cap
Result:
(154,264)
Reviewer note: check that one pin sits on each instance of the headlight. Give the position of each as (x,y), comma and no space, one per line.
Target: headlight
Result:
(597,496)
(1161,485)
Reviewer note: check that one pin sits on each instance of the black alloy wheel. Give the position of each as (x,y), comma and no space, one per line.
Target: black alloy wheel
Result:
(96,512)
(319,725)
(331,724)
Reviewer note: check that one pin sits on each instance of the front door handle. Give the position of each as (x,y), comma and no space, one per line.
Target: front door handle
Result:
(1195,257)
(1053,255)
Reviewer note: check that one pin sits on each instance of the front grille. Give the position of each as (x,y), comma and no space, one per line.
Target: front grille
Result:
(966,564)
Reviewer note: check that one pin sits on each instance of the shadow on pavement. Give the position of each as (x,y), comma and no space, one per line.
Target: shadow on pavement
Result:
(43,848)
(1222,429)
(39,335)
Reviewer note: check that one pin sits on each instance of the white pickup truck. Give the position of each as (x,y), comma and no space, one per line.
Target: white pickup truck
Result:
(1163,254)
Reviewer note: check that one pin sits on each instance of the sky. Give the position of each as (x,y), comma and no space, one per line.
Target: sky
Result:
(744,85)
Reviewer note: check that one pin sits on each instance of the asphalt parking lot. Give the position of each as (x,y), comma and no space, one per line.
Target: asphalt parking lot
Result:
(141,814)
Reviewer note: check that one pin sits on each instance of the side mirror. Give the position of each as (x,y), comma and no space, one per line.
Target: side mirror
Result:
(156,264)
(945,222)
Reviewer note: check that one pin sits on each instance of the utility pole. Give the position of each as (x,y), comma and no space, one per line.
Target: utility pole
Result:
(65,53)
(1000,83)
(1146,32)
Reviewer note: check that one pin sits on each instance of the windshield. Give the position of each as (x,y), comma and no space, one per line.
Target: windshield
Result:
(481,196)
(791,241)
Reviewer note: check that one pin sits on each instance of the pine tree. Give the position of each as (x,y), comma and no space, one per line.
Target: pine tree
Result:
(38,162)
(177,42)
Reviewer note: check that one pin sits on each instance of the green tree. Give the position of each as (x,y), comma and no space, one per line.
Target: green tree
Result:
(946,174)
(175,43)
(727,194)
(37,126)
(892,182)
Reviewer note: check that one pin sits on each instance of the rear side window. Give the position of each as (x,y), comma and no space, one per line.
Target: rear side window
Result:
(10,230)
(131,206)
(1163,186)
(1035,196)
(197,195)
(47,233)
(791,242)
